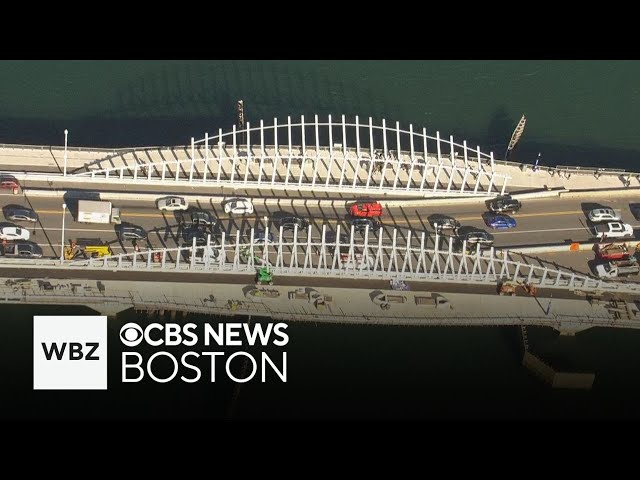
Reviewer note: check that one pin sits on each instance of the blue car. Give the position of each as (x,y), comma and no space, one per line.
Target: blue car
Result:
(499,222)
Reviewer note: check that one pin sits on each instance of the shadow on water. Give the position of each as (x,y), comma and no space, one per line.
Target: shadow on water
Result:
(499,132)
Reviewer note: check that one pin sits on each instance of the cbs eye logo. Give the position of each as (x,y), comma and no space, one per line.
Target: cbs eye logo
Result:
(131,334)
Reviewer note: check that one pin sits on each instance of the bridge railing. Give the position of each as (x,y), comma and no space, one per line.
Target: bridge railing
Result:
(403,255)
(370,163)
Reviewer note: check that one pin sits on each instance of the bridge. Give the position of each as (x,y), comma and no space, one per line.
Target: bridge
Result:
(316,169)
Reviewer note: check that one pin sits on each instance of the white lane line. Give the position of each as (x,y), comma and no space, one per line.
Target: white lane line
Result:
(78,229)
(550,230)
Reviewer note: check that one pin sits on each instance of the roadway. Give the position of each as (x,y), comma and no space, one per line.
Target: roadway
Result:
(541,221)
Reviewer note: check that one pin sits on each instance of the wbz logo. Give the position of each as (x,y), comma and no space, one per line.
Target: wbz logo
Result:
(75,351)
(70,353)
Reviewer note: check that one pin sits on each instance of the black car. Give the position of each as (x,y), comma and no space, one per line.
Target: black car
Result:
(290,223)
(360,224)
(506,204)
(128,231)
(330,237)
(198,232)
(20,214)
(443,222)
(197,216)
(476,235)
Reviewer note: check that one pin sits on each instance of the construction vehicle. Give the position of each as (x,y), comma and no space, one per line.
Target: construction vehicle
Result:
(612,251)
(264,276)
(92,211)
(366,209)
(88,248)
(510,287)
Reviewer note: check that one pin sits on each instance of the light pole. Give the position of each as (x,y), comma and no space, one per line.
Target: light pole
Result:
(66,133)
(64,209)
(265,260)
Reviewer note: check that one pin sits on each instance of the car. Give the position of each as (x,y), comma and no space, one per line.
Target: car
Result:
(13,233)
(499,221)
(9,182)
(238,206)
(128,231)
(361,224)
(172,204)
(258,237)
(21,249)
(290,223)
(603,215)
(195,231)
(505,204)
(330,237)
(198,216)
(443,222)
(476,235)
(20,214)
(366,209)
(613,230)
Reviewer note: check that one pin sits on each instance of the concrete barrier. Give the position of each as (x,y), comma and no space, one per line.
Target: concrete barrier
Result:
(309,202)
(566,247)
(618,192)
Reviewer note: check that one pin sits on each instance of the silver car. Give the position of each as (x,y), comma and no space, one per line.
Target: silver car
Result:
(603,215)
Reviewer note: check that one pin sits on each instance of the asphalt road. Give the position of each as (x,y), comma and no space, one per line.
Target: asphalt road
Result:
(543,221)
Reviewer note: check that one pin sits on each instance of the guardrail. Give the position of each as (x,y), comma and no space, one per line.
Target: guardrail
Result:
(372,258)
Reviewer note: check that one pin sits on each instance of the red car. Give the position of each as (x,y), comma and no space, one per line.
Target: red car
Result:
(8,182)
(366,209)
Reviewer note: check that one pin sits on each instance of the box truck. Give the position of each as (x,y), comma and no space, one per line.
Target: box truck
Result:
(92,211)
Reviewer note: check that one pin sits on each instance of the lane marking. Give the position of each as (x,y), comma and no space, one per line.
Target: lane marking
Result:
(79,229)
(542,214)
(563,230)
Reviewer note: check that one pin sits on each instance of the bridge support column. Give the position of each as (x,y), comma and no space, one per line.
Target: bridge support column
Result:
(504,186)
(425,169)
(206,157)
(316,164)
(372,152)
(571,330)
(219,155)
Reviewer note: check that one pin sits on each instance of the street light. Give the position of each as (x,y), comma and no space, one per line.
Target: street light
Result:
(64,208)
(265,260)
(66,133)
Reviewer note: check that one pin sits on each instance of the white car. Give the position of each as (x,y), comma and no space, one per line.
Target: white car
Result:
(14,233)
(238,206)
(171,204)
(613,230)
(603,215)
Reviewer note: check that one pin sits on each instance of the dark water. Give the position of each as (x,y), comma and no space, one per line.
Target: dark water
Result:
(579,112)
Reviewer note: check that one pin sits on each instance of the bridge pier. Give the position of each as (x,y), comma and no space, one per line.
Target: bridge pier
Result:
(571,330)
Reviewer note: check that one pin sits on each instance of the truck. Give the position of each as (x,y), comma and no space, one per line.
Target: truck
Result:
(618,268)
(92,211)
(612,251)
(613,230)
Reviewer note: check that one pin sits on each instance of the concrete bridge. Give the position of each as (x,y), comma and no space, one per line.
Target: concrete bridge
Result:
(316,161)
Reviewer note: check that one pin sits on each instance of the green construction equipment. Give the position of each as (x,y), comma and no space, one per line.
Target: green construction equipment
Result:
(264,276)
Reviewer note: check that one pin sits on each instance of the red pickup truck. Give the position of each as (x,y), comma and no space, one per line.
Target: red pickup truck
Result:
(612,251)
(366,209)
